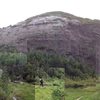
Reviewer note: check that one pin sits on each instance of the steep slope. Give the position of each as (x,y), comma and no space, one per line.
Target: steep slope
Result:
(56,32)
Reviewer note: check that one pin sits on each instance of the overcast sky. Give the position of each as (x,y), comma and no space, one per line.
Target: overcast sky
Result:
(13,11)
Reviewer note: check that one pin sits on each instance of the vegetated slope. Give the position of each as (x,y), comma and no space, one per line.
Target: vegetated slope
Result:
(56,32)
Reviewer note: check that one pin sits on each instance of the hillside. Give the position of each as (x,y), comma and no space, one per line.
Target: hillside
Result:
(55,32)
(52,56)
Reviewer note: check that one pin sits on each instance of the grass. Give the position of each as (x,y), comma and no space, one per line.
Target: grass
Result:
(27,91)
(90,90)
(89,93)
(43,93)
(23,91)
(47,92)
(54,88)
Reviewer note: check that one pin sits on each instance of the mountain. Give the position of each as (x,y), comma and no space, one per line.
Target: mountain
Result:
(56,32)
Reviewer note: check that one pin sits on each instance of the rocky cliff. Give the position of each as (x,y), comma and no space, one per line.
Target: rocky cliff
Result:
(56,32)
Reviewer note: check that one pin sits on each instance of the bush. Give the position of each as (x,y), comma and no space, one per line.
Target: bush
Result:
(3,96)
(58,94)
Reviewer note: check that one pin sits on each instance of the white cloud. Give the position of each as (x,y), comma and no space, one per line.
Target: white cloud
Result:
(13,11)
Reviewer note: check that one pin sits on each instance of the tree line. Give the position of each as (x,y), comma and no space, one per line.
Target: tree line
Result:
(26,67)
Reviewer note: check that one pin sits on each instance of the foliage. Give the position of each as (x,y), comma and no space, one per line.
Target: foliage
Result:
(58,94)
(4,86)
(26,67)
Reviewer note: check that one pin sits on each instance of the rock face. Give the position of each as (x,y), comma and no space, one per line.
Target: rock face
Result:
(56,32)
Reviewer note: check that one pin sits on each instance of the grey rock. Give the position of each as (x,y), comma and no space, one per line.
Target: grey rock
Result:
(57,32)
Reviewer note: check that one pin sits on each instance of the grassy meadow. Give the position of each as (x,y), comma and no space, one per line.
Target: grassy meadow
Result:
(53,90)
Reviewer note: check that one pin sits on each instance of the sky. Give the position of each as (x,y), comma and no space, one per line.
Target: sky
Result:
(14,11)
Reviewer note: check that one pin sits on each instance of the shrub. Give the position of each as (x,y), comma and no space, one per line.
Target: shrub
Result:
(58,94)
